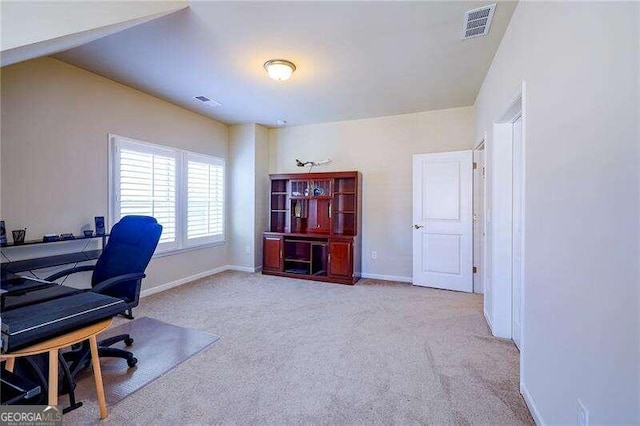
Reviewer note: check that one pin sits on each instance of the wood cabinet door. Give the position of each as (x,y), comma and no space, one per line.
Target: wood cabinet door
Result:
(272,253)
(340,259)
(319,216)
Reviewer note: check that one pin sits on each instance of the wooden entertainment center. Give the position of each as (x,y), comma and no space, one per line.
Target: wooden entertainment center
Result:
(314,230)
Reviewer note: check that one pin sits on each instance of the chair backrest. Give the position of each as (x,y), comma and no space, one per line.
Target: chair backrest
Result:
(131,244)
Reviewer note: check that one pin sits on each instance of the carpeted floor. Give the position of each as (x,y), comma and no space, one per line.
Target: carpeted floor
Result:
(294,351)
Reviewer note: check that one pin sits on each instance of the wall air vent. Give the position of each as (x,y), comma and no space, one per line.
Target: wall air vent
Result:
(477,21)
(208,101)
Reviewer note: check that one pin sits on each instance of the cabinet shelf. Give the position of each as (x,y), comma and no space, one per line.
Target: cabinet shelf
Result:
(297,271)
(297,260)
(279,193)
(320,243)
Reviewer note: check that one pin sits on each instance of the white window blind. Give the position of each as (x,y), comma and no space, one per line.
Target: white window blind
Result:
(182,190)
(148,187)
(205,198)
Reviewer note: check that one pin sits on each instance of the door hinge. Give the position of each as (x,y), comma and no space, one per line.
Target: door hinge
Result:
(475,165)
(475,269)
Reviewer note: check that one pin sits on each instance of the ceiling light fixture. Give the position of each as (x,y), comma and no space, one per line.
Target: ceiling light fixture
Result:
(279,69)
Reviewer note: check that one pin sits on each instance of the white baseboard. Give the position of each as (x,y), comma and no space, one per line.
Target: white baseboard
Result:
(249,269)
(176,283)
(531,405)
(486,317)
(244,268)
(190,278)
(387,277)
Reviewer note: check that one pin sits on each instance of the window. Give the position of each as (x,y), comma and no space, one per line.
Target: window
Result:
(182,190)
(205,197)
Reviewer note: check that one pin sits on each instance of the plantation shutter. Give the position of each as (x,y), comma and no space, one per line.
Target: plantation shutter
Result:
(205,198)
(147,186)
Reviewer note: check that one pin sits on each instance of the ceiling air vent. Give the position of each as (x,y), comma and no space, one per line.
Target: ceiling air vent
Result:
(477,21)
(208,101)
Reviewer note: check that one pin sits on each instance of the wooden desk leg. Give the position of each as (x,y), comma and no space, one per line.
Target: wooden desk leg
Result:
(97,375)
(9,364)
(53,377)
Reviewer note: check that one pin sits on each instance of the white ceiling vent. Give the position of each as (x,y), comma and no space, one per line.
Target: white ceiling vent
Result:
(477,21)
(208,101)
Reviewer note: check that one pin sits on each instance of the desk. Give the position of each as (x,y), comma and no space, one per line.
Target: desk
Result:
(54,260)
(52,346)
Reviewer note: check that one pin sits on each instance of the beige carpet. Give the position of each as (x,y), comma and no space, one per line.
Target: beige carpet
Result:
(294,351)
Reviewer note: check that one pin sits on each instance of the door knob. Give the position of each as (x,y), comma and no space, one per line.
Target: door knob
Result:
(418,226)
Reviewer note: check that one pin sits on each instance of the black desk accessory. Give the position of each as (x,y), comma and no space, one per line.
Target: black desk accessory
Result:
(18,235)
(99,225)
(16,389)
(3,233)
(30,324)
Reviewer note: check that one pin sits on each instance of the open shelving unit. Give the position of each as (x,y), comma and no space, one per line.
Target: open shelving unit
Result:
(279,205)
(305,256)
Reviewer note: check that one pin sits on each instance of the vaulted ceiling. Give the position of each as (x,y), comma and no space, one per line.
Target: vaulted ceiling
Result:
(354,59)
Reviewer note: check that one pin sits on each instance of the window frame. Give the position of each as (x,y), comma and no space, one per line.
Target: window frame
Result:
(182,157)
(210,160)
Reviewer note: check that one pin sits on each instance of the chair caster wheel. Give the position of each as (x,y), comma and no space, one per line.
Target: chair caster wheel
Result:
(131,362)
(128,341)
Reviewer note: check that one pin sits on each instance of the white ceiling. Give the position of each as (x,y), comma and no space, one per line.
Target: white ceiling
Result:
(355,59)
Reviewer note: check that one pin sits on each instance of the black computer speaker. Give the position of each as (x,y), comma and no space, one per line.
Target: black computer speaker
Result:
(99,225)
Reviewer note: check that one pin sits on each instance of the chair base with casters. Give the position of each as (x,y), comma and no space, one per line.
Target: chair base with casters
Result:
(104,349)
(79,357)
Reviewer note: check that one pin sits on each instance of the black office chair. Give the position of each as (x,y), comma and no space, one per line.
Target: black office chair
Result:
(118,272)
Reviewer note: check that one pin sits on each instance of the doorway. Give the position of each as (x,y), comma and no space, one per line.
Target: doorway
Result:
(507,285)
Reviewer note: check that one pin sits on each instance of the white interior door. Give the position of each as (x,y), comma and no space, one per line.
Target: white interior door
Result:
(516,259)
(442,220)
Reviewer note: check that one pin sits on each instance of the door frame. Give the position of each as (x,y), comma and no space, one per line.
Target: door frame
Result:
(502,220)
(481,146)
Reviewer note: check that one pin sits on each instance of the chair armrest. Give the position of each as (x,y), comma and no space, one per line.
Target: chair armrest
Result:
(116,280)
(70,271)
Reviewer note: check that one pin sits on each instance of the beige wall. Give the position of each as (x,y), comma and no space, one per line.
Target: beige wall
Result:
(249,186)
(580,315)
(382,149)
(55,122)
(241,213)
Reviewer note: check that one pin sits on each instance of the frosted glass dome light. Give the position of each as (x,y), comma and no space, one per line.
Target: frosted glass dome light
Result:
(279,69)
